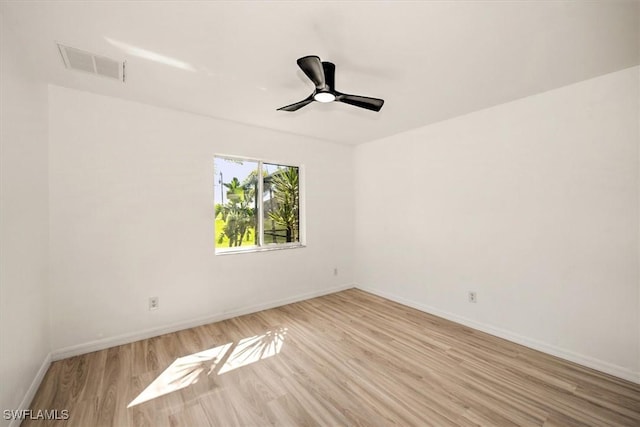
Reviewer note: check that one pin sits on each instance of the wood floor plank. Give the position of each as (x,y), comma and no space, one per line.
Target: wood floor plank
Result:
(220,410)
(345,359)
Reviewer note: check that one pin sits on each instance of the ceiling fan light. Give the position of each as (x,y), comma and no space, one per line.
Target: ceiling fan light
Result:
(324,97)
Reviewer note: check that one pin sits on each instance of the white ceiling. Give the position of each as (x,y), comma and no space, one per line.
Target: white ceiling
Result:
(430,61)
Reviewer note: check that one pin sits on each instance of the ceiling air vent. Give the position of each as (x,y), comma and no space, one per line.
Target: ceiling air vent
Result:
(76,59)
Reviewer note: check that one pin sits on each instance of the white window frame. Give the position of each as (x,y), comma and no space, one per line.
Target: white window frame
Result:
(262,246)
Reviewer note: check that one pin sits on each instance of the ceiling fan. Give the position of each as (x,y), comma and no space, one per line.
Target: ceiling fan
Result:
(322,74)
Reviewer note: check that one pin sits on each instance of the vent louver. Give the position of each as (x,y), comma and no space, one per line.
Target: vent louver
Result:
(76,59)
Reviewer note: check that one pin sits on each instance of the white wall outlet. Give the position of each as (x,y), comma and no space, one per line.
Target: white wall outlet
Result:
(154,303)
(473,297)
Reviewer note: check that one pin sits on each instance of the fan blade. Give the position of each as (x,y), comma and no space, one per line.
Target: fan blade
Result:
(329,74)
(373,104)
(312,67)
(297,105)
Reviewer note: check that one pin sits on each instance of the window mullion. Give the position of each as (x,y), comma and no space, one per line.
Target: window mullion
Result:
(260,198)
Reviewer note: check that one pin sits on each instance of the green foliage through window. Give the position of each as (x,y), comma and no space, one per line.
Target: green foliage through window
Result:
(256,204)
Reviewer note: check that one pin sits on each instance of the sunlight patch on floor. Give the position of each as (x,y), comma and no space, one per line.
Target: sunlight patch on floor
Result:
(187,370)
(259,347)
(183,372)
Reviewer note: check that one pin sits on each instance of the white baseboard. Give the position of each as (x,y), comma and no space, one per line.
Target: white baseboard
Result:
(101,344)
(587,361)
(31,391)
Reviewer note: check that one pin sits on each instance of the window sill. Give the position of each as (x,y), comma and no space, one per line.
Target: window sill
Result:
(252,249)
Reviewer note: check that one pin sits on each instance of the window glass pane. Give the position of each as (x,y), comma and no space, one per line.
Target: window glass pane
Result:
(236,204)
(281,203)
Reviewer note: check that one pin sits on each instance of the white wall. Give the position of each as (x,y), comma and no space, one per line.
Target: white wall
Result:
(132,217)
(24,217)
(532,204)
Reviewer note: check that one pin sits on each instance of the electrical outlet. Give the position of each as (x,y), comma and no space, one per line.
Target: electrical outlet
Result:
(335,271)
(154,303)
(473,297)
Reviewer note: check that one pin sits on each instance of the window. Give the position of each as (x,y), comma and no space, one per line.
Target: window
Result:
(257,205)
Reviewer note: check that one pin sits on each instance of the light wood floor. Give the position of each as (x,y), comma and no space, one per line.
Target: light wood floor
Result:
(348,358)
